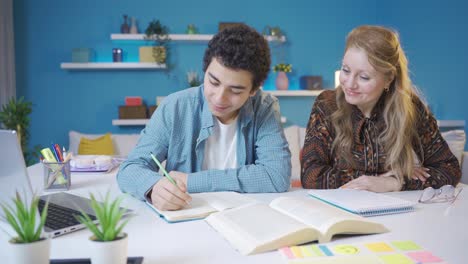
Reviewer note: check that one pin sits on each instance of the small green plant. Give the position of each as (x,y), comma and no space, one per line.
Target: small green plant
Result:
(274,32)
(282,67)
(193,79)
(22,218)
(109,215)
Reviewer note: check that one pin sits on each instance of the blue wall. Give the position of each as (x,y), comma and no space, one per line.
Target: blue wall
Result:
(87,101)
(435,39)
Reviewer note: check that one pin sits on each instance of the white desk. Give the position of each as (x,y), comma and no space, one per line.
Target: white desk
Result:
(440,230)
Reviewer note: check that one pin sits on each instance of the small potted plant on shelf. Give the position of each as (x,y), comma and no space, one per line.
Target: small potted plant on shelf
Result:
(159,34)
(29,245)
(282,82)
(282,67)
(109,242)
(193,79)
(275,32)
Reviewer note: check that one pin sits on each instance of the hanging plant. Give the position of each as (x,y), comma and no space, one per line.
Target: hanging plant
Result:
(159,34)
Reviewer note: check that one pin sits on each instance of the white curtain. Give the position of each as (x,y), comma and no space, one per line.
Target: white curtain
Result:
(7,53)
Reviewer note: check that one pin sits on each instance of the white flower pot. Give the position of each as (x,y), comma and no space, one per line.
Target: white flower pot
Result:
(114,252)
(26,253)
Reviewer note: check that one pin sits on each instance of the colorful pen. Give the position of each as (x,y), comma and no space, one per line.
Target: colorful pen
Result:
(54,151)
(58,152)
(163,170)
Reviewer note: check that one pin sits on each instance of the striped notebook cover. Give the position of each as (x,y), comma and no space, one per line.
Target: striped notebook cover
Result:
(363,203)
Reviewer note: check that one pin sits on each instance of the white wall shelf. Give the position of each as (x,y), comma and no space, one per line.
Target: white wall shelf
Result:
(174,37)
(111,66)
(143,122)
(451,123)
(129,122)
(294,92)
(182,37)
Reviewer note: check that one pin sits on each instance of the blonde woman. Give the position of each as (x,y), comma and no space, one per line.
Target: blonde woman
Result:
(373,132)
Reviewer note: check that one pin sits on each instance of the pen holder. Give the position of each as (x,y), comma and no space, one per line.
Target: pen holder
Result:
(57,176)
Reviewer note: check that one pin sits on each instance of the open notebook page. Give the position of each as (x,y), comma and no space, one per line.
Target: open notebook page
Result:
(205,203)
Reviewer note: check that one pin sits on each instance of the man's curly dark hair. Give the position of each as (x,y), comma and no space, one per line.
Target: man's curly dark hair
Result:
(241,48)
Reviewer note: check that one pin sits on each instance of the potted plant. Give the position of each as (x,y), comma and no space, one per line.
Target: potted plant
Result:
(193,79)
(29,245)
(159,34)
(282,81)
(15,116)
(274,32)
(109,242)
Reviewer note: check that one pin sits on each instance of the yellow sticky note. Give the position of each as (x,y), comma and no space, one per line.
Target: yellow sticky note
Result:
(379,247)
(396,259)
(406,245)
(346,249)
(297,252)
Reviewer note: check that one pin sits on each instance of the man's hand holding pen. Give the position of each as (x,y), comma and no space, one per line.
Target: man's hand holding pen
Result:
(167,196)
(170,192)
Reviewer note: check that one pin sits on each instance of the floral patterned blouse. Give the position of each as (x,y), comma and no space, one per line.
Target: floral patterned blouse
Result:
(323,169)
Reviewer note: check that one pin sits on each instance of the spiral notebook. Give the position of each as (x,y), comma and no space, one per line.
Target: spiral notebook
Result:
(363,203)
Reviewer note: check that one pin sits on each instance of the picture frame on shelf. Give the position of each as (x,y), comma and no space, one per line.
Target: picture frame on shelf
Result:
(311,82)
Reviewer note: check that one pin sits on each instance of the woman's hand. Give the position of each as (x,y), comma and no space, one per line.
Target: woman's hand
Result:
(420,173)
(383,183)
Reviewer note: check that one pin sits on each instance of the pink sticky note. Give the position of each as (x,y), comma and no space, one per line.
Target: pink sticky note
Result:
(287,252)
(424,257)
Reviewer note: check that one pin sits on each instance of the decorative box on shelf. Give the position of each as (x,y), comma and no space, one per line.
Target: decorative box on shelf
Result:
(133,100)
(151,110)
(82,55)
(132,112)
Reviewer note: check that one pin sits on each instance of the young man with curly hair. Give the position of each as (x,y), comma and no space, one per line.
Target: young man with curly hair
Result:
(224,135)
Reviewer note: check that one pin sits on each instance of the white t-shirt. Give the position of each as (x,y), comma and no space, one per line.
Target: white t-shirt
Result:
(221,147)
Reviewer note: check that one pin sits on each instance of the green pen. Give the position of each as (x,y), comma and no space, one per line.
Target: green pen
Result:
(162,169)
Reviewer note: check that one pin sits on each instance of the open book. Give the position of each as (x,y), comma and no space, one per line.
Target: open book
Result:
(286,221)
(364,203)
(204,204)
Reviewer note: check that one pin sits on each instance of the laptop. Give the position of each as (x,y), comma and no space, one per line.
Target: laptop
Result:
(14,177)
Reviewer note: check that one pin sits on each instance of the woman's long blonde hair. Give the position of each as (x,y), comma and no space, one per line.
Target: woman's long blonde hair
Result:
(385,54)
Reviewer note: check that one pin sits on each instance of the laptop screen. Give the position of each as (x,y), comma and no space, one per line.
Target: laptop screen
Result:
(13,173)
(14,177)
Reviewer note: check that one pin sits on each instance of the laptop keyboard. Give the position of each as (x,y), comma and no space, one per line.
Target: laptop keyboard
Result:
(59,217)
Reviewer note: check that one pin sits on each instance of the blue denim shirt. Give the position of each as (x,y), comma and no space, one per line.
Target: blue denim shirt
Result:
(178,130)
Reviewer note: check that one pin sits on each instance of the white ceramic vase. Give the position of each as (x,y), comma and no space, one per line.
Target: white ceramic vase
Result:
(26,253)
(114,252)
(133,27)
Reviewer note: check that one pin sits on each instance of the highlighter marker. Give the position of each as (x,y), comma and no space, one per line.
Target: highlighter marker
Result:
(47,154)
